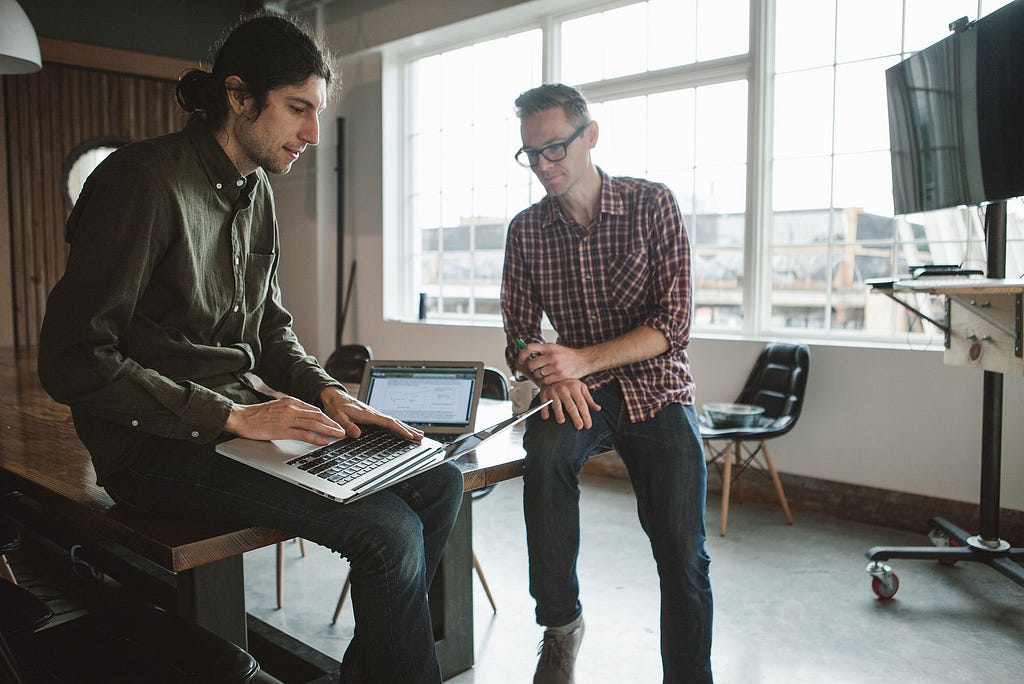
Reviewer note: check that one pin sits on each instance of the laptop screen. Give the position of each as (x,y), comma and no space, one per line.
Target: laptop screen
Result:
(424,394)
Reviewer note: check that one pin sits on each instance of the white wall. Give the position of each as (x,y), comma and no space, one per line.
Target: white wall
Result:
(894,419)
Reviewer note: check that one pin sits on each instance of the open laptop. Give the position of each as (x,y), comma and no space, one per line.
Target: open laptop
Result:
(438,397)
(350,469)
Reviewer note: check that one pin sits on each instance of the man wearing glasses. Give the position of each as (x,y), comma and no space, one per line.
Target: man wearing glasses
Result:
(607,259)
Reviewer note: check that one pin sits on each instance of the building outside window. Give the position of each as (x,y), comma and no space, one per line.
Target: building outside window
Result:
(692,93)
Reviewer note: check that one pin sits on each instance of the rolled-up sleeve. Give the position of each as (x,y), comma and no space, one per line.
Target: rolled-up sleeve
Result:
(670,271)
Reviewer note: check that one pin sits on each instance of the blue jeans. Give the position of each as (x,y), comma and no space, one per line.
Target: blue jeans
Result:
(393,540)
(665,460)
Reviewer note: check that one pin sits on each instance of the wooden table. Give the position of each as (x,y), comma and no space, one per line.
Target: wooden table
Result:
(42,457)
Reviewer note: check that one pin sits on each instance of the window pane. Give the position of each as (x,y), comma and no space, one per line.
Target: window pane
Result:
(800,278)
(865,181)
(722,189)
(802,227)
(670,131)
(581,53)
(624,29)
(622,142)
(867,29)
(859,125)
(803,113)
(802,183)
(805,34)
(722,28)
(672,36)
(722,123)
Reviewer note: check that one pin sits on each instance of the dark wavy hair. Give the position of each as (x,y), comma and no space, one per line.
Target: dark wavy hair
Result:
(266,51)
(544,97)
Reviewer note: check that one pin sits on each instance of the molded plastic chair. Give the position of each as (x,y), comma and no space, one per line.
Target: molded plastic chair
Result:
(776,383)
(495,386)
(346,365)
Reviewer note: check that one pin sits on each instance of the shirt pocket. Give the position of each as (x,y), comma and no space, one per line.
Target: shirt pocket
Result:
(628,276)
(258,271)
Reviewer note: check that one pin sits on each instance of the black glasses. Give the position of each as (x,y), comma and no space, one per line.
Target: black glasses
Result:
(555,152)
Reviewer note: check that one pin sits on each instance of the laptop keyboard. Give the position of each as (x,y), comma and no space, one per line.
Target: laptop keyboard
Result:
(348,459)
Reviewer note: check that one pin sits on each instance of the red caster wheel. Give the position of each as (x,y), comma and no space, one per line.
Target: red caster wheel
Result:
(884,581)
(885,590)
(941,539)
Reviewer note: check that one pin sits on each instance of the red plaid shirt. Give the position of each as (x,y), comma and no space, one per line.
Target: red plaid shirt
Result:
(631,267)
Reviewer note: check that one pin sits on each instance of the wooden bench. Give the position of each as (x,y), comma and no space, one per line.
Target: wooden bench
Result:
(42,457)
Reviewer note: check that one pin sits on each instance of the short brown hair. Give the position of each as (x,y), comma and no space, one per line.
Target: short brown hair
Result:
(544,97)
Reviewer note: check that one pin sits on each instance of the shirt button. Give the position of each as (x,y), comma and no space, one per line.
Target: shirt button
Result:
(216,344)
(240,182)
(235,309)
(135,423)
(237,261)
(219,186)
(195,433)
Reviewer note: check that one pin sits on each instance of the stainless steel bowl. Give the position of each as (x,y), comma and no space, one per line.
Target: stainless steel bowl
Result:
(733,415)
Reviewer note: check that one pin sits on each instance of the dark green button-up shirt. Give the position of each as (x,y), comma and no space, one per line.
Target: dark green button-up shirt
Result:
(169,298)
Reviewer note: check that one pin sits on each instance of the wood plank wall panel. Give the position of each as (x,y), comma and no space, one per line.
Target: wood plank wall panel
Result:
(47,115)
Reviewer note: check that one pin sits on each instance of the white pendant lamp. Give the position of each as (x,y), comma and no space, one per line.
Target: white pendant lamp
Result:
(19,47)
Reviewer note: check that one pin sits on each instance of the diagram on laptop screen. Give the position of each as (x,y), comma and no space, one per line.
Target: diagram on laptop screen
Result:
(426,398)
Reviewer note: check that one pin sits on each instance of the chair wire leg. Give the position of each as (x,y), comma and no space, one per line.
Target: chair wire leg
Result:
(740,467)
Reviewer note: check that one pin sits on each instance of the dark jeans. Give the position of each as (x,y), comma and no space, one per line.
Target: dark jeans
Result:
(665,460)
(393,540)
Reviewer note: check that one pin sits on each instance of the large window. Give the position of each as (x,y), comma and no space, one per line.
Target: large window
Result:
(767,118)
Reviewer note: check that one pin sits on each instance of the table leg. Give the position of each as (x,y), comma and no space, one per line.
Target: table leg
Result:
(213,597)
(451,597)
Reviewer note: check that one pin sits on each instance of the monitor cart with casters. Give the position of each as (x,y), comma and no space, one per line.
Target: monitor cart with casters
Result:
(984,329)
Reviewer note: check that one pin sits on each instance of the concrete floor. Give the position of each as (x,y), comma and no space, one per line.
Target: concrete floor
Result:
(792,604)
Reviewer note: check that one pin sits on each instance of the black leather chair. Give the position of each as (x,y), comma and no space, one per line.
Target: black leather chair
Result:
(495,385)
(112,645)
(347,362)
(777,383)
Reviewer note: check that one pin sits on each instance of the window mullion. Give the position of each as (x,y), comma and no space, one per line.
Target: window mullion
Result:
(757,256)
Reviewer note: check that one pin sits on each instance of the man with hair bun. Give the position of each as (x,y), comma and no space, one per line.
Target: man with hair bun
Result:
(167,328)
